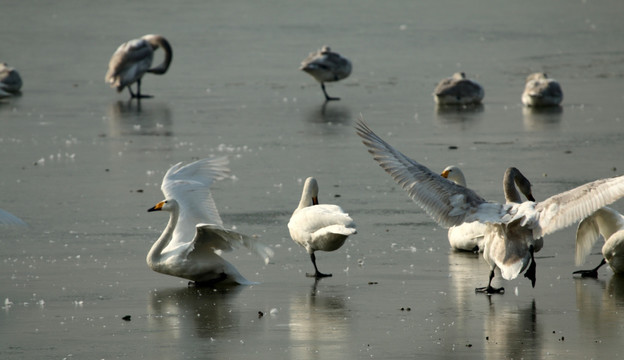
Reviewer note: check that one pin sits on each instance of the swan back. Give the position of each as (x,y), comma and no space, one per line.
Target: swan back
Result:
(10,80)
(326,66)
(458,90)
(540,90)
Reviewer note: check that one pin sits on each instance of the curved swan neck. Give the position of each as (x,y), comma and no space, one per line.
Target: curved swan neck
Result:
(155,252)
(309,195)
(512,178)
(159,41)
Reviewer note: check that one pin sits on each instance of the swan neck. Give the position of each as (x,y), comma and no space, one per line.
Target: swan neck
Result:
(162,68)
(511,193)
(155,253)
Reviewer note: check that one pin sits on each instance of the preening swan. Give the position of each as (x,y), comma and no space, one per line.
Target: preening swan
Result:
(318,226)
(189,245)
(458,90)
(610,224)
(326,66)
(513,229)
(471,236)
(540,90)
(133,59)
(10,80)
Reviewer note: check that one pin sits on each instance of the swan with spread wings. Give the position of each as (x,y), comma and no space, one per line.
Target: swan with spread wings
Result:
(190,245)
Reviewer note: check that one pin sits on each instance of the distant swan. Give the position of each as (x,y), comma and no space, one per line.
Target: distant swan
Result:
(610,224)
(540,90)
(326,66)
(318,227)
(10,80)
(189,245)
(514,229)
(471,236)
(458,90)
(133,59)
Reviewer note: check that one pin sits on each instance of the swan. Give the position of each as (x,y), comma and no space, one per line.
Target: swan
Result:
(514,229)
(189,246)
(610,224)
(471,236)
(458,90)
(133,59)
(326,66)
(10,80)
(318,226)
(540,90)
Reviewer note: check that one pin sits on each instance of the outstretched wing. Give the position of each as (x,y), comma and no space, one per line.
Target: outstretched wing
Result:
(566,208)
(446,202)
(210,237)
(190,185)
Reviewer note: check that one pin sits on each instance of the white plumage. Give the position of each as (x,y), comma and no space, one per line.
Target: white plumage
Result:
(190,244)
(318,226)
(514,228)
(609,224)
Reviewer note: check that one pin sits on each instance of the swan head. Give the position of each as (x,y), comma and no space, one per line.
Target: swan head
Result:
(309,195)
(523,184)
(454,174)
(165,205)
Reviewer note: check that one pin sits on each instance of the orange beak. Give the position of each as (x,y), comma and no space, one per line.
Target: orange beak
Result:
(157,207)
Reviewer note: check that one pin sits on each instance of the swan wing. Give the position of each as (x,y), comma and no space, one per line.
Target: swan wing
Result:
(210,238)
(190,185)
(566,208)
(587,234)
(313,218)
(136,53)
(446,202)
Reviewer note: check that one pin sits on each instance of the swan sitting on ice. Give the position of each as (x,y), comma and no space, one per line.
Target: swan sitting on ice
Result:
(318,226)
(189,246)
(514,230)
(458,90)
(610,224)
(540,91)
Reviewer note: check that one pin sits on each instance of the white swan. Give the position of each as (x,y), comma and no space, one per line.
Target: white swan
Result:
(189,245)
(471,236)
(610,224)
(514,229)
(318,226)
(326,66)
(133,59)
(540,90)
(458,90)
(10,80)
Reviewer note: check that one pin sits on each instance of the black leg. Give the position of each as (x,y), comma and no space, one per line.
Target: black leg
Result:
(317,274)
(138,94)
(327,97)
(530,273)
(489,289)
(593,273)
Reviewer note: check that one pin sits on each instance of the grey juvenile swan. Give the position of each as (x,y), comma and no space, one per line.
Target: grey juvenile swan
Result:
(326,66)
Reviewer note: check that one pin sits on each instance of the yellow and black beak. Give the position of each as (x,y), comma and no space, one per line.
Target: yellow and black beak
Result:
(445,174)
(314,200)
(157,207)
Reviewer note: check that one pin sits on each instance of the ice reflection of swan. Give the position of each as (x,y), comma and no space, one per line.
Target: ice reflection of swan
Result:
(329,113)
(601,307)
(130,118)
(541,118)
(193,312)
(319,323)
(463,115)
(512,331)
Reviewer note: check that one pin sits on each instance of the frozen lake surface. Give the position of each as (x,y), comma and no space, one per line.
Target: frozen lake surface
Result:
(81,165)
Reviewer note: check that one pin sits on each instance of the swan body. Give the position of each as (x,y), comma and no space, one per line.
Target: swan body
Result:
(540,90)
(133,59)
(471,236)
(609,224)
(10,80)
(514,229)
(318,226)
(189,246)
(326,66)
(458,90)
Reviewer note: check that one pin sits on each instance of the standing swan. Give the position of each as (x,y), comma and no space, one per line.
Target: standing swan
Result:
(318,227)
(10,80)
(326,66)
(513,229)
(540,90)
(610,224)
(133,59)
(458,90)
(189,245)
(471,236)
